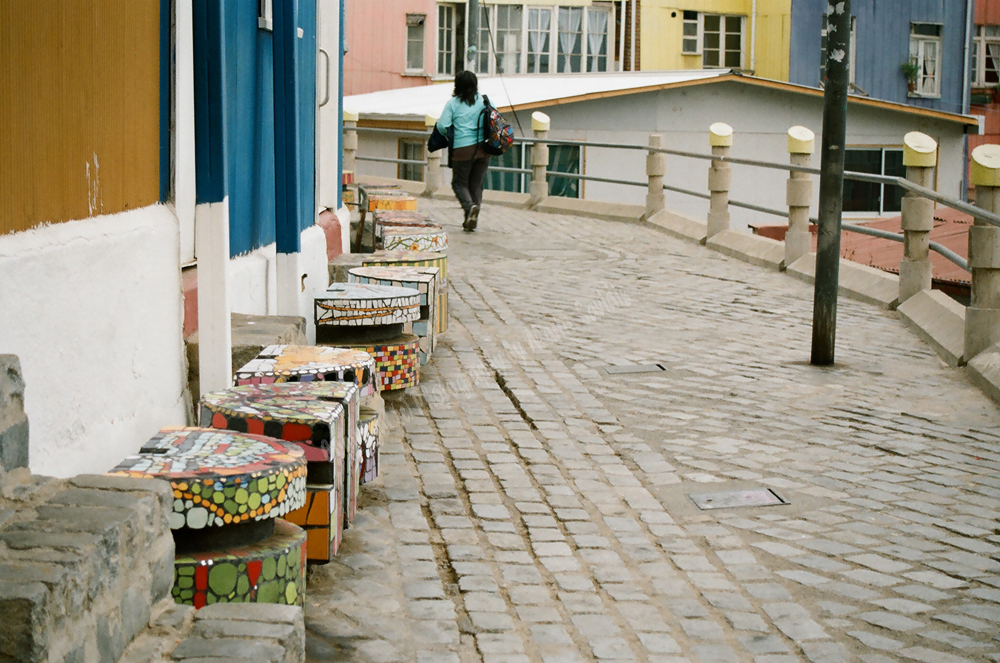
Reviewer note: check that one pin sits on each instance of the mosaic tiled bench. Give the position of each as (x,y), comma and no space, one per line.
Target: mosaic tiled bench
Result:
(370,318)
(385,197)
(310,363)
(230,491)
(401,258)
(322,419)
(422,279)
(412,231)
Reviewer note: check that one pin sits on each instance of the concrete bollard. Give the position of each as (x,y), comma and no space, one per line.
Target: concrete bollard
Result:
(432,176)
(919,157)
(656,169)
(720,137)
(799,194)
(982,317)
(350,141)
(540,124)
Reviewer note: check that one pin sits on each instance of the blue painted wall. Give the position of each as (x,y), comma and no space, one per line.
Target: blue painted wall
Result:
(883,44)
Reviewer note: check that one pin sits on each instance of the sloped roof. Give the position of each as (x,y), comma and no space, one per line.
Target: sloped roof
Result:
(531,91)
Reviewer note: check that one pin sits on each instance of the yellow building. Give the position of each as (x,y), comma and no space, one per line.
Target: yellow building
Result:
(751,35)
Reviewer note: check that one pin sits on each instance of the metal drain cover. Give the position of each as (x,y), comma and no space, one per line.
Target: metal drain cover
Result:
(633,368)
(731,499)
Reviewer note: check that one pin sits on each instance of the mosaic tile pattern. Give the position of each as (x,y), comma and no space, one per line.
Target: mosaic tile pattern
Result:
(292,412)
(308,363)
(422,279)
(366,304)
(385,197)
(269,571)
(348,178)
(398,362)
(413,238)
(368,426)
(322,518)
(401,258)
(221,477)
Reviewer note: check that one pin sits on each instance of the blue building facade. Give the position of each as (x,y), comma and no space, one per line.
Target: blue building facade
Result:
(932,34)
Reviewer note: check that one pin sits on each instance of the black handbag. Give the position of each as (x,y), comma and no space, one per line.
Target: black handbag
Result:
(438,141)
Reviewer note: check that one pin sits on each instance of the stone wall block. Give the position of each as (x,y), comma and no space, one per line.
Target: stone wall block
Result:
(159,489)
(24,607)
(13,421)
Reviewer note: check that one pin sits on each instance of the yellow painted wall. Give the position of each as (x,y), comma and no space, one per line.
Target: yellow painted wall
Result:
(662,24)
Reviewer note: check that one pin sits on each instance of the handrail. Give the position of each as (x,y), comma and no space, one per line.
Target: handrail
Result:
(388,160)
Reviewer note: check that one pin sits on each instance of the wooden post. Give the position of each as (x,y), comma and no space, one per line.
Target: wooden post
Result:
(799,194)
(432,178)
(540,124)
(656,169)
(720,137)
(982,317)
(919,157)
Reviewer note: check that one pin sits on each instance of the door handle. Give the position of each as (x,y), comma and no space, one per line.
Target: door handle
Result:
(326,98)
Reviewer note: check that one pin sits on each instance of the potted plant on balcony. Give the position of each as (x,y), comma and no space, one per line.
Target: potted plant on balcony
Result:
(911,70)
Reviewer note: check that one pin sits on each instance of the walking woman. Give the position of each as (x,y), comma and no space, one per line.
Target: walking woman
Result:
(468,161)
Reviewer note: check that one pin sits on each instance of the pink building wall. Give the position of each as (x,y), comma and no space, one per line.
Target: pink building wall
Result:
(376,42)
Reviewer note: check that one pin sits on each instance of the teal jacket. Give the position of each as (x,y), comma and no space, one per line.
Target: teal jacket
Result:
(467,121)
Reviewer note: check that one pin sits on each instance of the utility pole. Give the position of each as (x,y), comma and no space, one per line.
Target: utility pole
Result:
(831,182)
(472,21)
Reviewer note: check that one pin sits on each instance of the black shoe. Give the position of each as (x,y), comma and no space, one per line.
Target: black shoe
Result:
(471,219)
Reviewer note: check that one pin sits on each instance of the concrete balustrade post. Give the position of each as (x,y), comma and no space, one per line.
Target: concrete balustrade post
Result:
(432,176)
(350,141)
(656,169)
(799,194)
(720,137)
(540,124)
(982,317)
(920,158)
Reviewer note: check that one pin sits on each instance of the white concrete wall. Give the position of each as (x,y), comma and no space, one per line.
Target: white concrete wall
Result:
(93,309)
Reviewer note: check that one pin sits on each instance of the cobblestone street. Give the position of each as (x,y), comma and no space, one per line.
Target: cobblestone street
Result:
(535,507)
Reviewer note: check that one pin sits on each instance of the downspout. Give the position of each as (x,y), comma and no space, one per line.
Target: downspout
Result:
(621,37)
(472,36)
(631,54)
(753,38)
(966,90)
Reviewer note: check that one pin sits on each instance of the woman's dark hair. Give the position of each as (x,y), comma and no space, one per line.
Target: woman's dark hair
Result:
(466,86)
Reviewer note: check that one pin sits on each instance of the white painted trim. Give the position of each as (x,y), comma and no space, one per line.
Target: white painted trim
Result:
(344,216)
(183,138)
(214,324)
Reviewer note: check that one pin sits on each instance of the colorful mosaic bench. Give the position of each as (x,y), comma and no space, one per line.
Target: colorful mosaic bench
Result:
(368,432)
(322,419)
(229,491)
(366,305)
(310,363)
(422,279)
(402,258)
(384,197)
(398,361)
(414,238)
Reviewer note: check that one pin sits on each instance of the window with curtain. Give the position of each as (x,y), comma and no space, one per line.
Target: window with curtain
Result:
(597,39)
(925,52)
(507,34)
(986,56)
(539,40)
(499,181)
(415,42)
(570,42)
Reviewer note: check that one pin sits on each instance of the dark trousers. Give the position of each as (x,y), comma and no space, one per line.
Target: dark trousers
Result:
(467,178)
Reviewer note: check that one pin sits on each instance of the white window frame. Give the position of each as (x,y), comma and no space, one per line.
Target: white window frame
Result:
(918,45)
(265,14)
(443,57)
(697,21)
(527,38)
(722,39)
(883,188)
(979,54)
(411,21)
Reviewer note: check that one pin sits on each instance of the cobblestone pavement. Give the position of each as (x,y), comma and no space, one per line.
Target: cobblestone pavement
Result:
(535,508)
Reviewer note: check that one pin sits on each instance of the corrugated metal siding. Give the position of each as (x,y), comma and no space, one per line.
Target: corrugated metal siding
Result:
(883,42)
(80,109)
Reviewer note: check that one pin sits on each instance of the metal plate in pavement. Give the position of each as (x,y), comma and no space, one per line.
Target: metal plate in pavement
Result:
(731,499)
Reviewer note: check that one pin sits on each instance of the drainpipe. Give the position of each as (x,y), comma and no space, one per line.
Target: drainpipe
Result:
(621,35)
(753,38)
(472,36)
(966,89)
(631,55)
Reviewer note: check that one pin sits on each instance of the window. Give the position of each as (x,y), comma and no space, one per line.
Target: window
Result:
(507,36)
(570,39)
(562,159)
(925,52)
(690,44)
(446,46)
(869,196)
(412,150)
(986,56)
(415,42)
(722,41)
(822,51)
(539,40)
(597,39)
(265,14)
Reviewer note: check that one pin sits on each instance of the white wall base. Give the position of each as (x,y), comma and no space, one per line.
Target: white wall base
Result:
(93,309)
(253,282)
(215,343)
(344,216)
